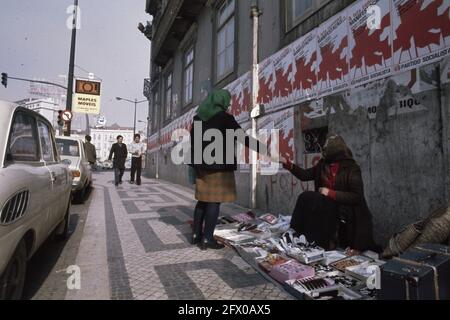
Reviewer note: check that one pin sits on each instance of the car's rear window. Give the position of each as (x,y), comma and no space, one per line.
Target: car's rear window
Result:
(68,147)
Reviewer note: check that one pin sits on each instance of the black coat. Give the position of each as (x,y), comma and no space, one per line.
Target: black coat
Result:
(357,232)
(120,155)
(221,121)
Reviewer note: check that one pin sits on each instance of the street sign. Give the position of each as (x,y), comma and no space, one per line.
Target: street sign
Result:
(87,96)
(101,121)
(67,116)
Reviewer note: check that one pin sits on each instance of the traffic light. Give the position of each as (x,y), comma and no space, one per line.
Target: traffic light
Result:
(60,118)
(4,79)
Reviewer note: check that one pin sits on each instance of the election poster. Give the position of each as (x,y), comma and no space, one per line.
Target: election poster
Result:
(241,97)
(333,67)
(370,42)
(421,32)
(305,68)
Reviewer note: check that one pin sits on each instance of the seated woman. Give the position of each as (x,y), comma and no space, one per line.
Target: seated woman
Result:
(336,214)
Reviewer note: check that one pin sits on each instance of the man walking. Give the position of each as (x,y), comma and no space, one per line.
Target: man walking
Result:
(120,152)
(137,149)
(91,153)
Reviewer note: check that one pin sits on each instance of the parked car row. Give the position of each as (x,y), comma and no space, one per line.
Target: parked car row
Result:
(38,174)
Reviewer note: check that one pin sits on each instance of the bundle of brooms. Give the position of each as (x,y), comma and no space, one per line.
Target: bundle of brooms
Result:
(433,229)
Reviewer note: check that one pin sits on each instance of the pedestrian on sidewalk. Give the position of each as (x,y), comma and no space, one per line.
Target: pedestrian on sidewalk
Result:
(215,181)
(91,153)
(120,152)
(336,213)
(137,149)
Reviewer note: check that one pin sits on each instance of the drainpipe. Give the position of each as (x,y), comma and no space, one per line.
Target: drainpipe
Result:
(254,15)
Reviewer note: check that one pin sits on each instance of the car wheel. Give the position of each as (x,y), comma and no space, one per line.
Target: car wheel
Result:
(79,196)
(63,228)
(13,278)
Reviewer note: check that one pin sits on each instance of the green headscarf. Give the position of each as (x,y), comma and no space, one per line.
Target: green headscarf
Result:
(217,101)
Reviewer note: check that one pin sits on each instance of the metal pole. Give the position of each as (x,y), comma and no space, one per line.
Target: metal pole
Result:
(71,64)
(255,13)
(135,107)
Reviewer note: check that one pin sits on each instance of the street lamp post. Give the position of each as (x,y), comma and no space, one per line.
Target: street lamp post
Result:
(136,102)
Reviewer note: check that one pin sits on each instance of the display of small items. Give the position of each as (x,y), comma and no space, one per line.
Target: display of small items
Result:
(349,262)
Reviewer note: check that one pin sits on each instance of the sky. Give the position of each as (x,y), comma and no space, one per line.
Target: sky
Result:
(35,43)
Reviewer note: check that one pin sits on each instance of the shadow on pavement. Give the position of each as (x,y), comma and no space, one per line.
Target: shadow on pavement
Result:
(44,260)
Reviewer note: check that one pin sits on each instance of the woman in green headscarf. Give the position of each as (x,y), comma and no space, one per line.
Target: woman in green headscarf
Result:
(215,182)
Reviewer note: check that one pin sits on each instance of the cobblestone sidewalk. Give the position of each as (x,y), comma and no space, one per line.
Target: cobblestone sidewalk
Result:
(148,255)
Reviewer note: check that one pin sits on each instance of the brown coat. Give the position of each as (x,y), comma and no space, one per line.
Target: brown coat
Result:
(353,208)
(91,153)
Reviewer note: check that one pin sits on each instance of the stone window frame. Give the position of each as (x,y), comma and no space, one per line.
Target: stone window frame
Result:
(186,66)
(217,28)
(290,24)
(167,116)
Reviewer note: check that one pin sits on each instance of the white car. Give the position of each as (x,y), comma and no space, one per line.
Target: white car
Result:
(71,150)
(35,192)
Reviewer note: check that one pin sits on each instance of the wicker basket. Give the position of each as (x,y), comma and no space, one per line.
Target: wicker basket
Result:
(401,241)
(437,230)
(434,229)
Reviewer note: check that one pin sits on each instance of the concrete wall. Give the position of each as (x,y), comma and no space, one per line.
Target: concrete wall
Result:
(403,156)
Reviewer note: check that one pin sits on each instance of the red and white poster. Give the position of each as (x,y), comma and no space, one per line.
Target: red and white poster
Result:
(370,49)
(266,128)
(166,135)
(284,121)
(153,144)
(241,97)
(266,77)
(305,67)
(243,153)
(333,71)
(277,130)
(421,32)
(283,65)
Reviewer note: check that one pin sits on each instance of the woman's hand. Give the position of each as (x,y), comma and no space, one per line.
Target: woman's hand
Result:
(324,191)
(286,163)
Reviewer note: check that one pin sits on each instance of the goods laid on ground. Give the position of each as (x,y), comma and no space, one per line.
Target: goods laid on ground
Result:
(307,271)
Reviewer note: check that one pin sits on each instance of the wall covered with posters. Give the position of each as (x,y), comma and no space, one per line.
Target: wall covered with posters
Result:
(385,90)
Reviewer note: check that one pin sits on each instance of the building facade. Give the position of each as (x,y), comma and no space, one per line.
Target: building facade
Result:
(357,68)
(103,139)
(47,107)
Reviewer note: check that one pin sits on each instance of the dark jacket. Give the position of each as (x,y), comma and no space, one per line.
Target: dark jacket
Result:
(357,231)
(221,121)
(91,153)
(120,155)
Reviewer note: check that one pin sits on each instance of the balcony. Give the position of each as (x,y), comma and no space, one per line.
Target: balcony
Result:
(171,26)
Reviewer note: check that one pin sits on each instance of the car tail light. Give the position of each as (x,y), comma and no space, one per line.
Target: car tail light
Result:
(76,173)
(15,207)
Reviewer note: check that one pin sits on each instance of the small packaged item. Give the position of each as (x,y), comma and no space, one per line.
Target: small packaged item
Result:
(291,270)
(364,270)
(341,265)
(323,288)
(306,255)
(244,217)
(332,257)
(315,286)
(269,218)
(271,260)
